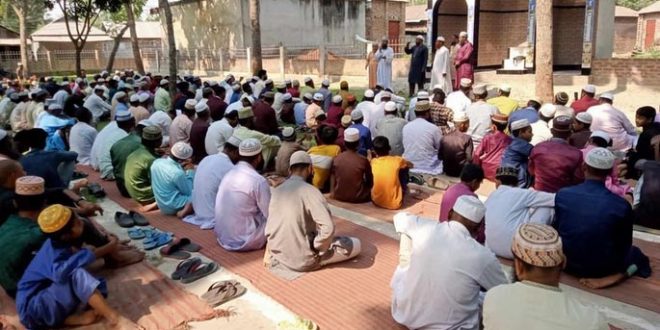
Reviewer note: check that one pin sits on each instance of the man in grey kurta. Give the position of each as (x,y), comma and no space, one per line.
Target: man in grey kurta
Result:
(384,56)
(300,230)
(419,55)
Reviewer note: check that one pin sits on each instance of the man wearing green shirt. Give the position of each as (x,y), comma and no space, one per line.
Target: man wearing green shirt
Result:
(119,154)
(137,171)
(162,99)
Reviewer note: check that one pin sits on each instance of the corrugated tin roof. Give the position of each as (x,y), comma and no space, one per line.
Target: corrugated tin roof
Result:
(621,11)
(146,30)
(653,8)
(57,32)
(416,13)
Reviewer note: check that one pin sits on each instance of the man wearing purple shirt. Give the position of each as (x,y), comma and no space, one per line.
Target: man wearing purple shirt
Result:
(555,164)
(471,178)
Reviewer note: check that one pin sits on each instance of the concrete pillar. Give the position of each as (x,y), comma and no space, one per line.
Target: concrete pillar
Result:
(157,61)
(248,55)
(220,59)
(470,21)
(282,61)
(321,60)
(531,34)
(97,58)
(197,67)
(604,38)
(50,64)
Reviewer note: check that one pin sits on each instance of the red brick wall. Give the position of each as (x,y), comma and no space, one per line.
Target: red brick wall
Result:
(378,17)
(626,71)
(625,34)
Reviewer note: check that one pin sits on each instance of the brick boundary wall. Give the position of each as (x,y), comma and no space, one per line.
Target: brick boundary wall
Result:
(630,71)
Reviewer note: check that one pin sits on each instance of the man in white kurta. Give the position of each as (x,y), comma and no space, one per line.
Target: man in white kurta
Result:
(441,72)
(442,269)
(384,56)
(208,176)
(241,205)
(100,153)
(607,118)
(459,100)
(421,140)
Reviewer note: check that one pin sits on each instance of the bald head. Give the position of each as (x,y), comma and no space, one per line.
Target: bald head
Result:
(10,170)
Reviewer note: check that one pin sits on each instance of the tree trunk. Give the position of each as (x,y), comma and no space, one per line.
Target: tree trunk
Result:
(256,36)
(115,47)
(20,9)
(544,60)
(78,60)
(171,45)
(130,19)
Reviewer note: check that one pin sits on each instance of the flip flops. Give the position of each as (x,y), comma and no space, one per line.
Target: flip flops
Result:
(138,218)
(157,240)
(184,267)
(124,220)
(175,250)
(222,292)
(199,271)
(136,234)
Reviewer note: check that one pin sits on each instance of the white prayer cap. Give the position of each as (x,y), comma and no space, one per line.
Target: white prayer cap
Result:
(229,76)
(190,104)
(419,37)
(135,98)
(463,34)
(245,113)
(120,95)
(470,208)
(369,93)
(460,116)
(584,117)
(249,147)
(79,80)
(287,81)
(422,95)
(318,97)
(234,140)
(548,110)
(600,158)
(286,96)
(300,157)
(479,89)
(307,79)
(280,85)
(213,83)
(318,113)
(384,38)
(589,89)
(385,94)
(308,96)
(288,132)
(505,88)
(143,97)
(356,114)
(518,124)
(602,135)
(116,78)
(441,38)
(465,82)
(607,96)
(182,150)
(164,82)
(146,122)
(63,83)
(268,81)
(437,86)
(390,106)
(325,83)
(351,134)
(3,134)
(124,115)
(100,80)
(201,107)
(336,99)
(55,106)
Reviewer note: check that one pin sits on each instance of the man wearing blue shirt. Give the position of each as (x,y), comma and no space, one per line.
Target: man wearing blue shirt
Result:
(365,133)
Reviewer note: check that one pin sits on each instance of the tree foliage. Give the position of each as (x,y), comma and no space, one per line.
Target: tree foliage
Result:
(634,4)
(34,17)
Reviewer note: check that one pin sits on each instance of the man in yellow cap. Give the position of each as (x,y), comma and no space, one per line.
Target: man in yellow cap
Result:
(536,301)
(56,284)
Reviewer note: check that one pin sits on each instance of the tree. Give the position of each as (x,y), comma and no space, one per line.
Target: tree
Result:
(28,16)
(171,43)
(116,31)
(634,4)
(255,10)
(129,7)
(20,7)
(125,16)
(544,61)
(79,17)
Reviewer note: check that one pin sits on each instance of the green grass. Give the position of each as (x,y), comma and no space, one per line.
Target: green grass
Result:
(653,53)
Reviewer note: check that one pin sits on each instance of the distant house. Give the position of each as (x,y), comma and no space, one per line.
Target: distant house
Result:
(625,30)
(149,34)
(386,18)
(54,36)
(648,27)
(9,40)
(416,20)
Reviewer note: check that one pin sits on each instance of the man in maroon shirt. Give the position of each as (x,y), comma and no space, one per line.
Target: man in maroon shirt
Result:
(265,119)
(555,164)
(335,112)
(491,149)
(215,101)
(586,100)
(198,132)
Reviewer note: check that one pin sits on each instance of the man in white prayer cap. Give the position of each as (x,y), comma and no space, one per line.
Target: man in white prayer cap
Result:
(441,72)
(442,269)
(464,60)
(384,56)
(607,118)
(172,181)
(241,205)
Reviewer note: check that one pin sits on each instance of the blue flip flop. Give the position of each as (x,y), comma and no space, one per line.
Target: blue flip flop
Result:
(136,233)
(157,240)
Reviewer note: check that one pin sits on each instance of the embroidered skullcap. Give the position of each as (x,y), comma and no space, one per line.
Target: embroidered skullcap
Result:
(505,171)
(499,118)
(54,218)
(600,158)
(460,117)
(318,97)
(152,133)
(181,150)
(356,114)
(561,97)
(602,135)
(346,120)
(561,123)
(249,147)
(518,124)
(190,104)
(30,186)
(351,135)
(245,113)
(124,115)
(300,157)
(538,245)
(584,117)
(470,208)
